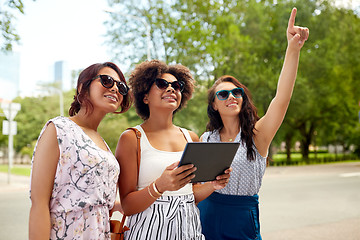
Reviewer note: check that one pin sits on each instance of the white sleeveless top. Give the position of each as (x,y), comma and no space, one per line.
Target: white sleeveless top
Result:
(153,162)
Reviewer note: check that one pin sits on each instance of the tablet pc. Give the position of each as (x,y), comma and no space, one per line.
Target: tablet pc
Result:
(210,159)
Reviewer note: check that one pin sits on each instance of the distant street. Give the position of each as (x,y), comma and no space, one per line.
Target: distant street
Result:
(319,202)
(14,208)
(311,202)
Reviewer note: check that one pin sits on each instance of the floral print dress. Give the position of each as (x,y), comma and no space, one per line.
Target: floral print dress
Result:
(84,186)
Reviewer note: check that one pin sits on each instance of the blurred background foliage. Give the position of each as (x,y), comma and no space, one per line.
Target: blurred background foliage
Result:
(246,39)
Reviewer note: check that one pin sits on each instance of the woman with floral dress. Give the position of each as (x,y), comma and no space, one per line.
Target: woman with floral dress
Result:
(74,173)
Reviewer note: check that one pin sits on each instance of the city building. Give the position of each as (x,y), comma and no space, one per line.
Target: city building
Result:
(9,75)
(62,75)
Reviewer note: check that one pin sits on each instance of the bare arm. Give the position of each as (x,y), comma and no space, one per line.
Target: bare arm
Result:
(202,191)
(132,200)
(43,174)
(268,125)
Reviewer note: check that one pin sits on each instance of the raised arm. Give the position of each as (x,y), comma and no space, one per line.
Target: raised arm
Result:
(268,125)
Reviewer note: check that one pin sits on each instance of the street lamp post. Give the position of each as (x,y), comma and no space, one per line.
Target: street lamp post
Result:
(148,28)
(61,100)
(58,91)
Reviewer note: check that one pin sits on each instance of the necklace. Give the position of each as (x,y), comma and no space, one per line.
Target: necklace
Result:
(230,140)
(228,137)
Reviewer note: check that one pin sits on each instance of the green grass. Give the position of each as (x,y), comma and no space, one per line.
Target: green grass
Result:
(298,156)
(321,158)
(17,170)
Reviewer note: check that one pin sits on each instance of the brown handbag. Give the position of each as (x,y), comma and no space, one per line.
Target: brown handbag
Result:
(117,228)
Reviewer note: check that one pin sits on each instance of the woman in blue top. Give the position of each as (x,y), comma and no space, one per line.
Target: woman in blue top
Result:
(232,212)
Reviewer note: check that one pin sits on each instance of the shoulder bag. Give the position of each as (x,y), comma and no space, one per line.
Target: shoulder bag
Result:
(117,228)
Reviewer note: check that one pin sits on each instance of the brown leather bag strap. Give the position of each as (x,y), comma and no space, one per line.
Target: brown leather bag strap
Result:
(138,136)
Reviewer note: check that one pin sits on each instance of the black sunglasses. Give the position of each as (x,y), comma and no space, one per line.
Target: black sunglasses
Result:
(163,84)
(224,94)
(108,82)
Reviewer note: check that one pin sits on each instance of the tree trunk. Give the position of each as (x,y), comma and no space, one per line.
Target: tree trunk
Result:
(306,139)
(288,138)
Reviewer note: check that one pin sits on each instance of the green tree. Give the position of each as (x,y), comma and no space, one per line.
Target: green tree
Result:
(8,11)
(246,39)
(194,116)
(34,113)
(111,127)
(326,72)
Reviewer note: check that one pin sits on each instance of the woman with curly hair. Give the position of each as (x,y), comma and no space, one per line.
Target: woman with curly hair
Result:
(74,173)
(233,212)
(159,199)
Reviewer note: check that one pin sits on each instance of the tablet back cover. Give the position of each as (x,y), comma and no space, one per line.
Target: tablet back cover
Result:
(210,159)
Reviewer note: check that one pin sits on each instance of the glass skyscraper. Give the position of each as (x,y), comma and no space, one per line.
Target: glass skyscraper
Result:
(9,75)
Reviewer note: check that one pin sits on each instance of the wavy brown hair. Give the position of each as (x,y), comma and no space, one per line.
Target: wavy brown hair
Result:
(248,114)
(85,78)
(143,77)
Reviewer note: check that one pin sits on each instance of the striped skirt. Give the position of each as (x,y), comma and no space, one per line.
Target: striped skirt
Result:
(169,217)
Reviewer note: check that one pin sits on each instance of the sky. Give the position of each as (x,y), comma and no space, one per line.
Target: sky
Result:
(59,30)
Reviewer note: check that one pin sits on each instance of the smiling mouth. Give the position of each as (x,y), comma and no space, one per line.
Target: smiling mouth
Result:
(112,98)
(232,104)
(169,97)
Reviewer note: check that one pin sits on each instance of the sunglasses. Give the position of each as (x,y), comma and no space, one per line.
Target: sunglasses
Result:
(163,84)
(108,82)
(224,94)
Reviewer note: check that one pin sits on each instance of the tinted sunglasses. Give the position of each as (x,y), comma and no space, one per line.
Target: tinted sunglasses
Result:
(163,84)
(108,82)
(224,94)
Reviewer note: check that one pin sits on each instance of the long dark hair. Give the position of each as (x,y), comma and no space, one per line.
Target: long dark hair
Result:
(83,83)
(248,115)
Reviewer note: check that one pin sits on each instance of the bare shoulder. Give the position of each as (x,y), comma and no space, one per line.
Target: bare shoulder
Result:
(194,136)
(127,142)
(49,136)
(46,155)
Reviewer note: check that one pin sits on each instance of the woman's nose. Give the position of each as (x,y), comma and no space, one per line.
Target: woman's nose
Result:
(170,89)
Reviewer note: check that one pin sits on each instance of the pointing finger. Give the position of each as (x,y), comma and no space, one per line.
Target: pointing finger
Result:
(292,18)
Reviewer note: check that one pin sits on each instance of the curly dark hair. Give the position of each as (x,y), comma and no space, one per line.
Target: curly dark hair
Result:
(248,115)
(84,81)
(143,76)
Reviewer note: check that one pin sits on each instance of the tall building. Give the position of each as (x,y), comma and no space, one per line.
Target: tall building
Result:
(62,75)
(9,75)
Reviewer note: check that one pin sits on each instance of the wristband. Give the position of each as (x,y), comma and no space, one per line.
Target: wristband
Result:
(150,193)
(155,189)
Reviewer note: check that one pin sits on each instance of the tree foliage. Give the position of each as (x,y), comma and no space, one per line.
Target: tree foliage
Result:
(246,39)
(8,11)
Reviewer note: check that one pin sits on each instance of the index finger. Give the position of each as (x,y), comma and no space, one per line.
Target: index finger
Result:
(185,167)
(292,18)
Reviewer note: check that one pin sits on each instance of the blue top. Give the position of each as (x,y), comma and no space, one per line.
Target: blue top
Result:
(246,176)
